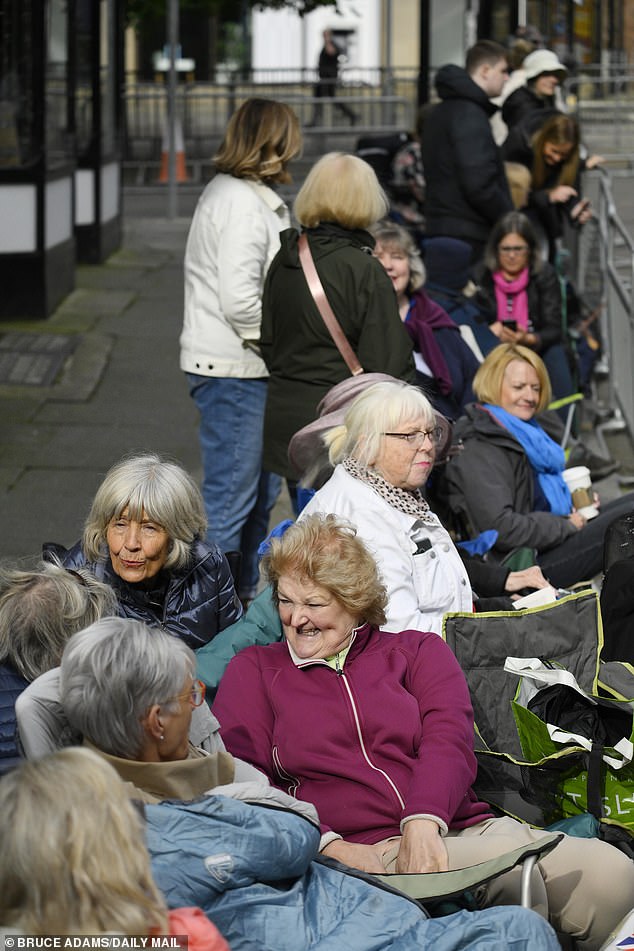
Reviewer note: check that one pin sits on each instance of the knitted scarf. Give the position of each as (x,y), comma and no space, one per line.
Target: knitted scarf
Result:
(423,317)
(545,456)
(511,298)
(411,503)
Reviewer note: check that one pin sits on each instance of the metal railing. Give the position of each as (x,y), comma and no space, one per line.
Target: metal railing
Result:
(602,271)
(604,105)
(203,110)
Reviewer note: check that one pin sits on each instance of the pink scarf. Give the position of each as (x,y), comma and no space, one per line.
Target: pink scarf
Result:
(511,298)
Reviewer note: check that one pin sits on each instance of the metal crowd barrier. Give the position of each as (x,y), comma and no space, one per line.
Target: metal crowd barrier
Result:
(204,109)
(603,102)
(601,268)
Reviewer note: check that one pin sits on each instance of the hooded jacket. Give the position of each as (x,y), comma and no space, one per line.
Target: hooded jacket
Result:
(198,601)
(492,483)
(467,189)
(522,102)
(301,356)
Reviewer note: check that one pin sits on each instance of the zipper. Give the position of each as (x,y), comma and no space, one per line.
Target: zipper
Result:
(293,782)
(391,783)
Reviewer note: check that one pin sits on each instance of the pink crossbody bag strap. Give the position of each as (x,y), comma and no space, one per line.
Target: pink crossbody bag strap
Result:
(319,295)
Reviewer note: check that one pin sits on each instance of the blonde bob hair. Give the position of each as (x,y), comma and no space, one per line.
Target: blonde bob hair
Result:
(74,859)
(151,487)
(394,237)
(260,140)
(380,409)
(487,383)
(343,189)
(326,551)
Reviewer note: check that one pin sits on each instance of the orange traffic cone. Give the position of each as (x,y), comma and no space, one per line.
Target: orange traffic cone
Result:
(179,148)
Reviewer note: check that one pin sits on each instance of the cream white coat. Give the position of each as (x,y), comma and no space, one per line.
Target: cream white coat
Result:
(420,587)
(233,238)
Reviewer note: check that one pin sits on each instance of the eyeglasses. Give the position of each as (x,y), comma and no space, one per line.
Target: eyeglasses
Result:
(418,438)
(513,248)
(195,696)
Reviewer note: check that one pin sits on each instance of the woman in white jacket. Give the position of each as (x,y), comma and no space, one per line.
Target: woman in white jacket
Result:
(232,240)
(383,455)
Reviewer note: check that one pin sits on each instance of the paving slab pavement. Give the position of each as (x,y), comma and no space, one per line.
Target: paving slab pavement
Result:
(121,390)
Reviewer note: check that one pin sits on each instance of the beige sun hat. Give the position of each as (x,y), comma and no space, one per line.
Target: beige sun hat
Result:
(543,61)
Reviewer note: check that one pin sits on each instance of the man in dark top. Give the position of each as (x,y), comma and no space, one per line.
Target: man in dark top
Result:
(326,86)
(467,189)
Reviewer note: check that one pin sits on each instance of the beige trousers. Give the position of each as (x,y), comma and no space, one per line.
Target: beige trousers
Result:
(584,886)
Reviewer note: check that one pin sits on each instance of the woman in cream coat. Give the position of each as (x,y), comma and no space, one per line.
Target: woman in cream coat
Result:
(233,238)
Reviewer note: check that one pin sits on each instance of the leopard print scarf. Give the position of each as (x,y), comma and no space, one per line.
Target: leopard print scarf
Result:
(411,503)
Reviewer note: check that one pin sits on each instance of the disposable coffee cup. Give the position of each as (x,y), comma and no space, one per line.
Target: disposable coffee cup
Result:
(578,481)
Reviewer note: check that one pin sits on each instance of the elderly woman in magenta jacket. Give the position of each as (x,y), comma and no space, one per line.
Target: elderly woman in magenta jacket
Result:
(219,835)
(376,730)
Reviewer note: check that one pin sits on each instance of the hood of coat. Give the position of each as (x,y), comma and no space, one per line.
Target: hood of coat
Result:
(453,82)
(478,422)
(327,238)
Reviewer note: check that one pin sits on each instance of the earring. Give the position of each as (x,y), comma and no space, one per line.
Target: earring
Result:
(161,737)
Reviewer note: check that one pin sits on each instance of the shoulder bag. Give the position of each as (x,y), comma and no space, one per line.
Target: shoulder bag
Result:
(323,306)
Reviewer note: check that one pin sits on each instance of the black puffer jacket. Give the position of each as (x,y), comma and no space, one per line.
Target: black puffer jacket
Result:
(11,686)
(467,189)
(300,354)
(522,102)
(544,304)
(491,481)
(194,603)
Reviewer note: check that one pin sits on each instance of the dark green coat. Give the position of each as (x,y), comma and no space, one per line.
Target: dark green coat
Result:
(297,348)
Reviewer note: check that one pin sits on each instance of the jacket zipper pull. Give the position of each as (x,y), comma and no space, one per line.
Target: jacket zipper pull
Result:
(338,666)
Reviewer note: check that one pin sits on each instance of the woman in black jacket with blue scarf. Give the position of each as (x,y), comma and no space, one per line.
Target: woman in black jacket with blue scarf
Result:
(508,476)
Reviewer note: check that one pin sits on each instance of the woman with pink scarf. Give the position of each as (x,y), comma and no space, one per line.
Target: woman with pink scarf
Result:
(520,297)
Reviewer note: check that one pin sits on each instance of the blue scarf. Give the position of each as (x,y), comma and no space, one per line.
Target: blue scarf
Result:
(546,457)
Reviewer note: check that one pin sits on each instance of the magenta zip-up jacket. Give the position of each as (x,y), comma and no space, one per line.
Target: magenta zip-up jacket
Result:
(388,736)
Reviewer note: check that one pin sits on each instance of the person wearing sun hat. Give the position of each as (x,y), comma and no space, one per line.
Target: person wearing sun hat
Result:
(544,73)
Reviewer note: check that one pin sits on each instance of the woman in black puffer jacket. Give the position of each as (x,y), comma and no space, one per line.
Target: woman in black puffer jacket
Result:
(143,537)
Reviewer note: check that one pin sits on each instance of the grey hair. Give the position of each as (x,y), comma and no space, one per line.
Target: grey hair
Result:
(112,673)
(162,490)
(395,237)
(378,410)
(41,608)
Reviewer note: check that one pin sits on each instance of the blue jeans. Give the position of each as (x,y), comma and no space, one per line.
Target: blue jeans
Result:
(559,373)
(238,495)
